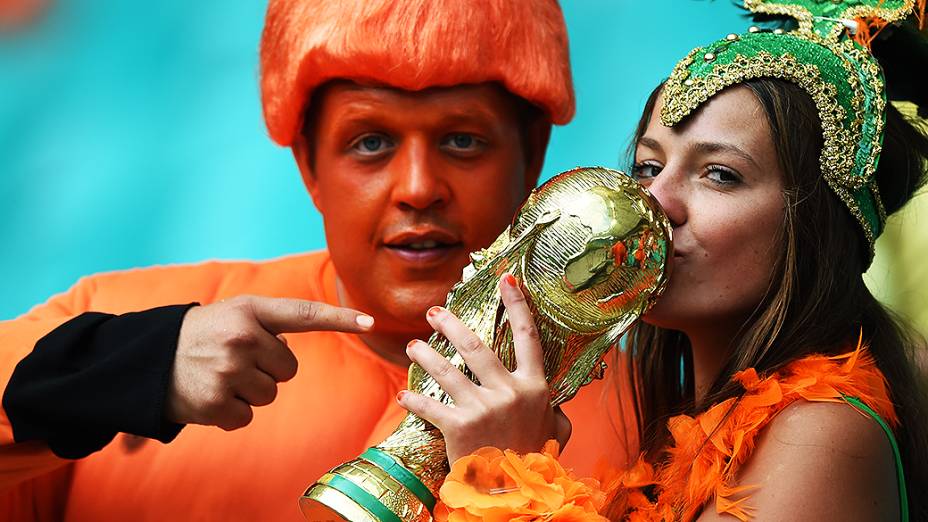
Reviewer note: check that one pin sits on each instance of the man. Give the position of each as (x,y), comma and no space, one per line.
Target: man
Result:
(418,128)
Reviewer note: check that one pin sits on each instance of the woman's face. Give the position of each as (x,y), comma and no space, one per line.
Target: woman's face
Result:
(719,180)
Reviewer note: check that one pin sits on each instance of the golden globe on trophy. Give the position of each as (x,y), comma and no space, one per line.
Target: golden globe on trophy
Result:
(591,247)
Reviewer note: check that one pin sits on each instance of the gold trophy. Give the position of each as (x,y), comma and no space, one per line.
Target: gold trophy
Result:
(591,248)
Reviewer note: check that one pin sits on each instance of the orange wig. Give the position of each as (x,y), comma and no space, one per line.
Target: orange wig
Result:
(412,45)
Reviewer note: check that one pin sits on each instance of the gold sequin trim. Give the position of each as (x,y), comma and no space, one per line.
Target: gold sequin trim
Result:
(806,18)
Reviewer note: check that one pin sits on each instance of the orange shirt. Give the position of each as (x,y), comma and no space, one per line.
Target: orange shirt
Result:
(341,402)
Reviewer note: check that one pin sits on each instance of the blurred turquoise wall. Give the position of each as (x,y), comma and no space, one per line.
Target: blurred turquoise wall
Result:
(131,132)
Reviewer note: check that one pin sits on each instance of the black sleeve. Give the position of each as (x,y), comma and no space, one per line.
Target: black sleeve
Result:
(94,376)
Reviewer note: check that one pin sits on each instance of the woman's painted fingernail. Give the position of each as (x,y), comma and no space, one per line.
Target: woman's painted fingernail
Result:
(433,311)
(364,321)
(412,343)
(510,280)
(399,396)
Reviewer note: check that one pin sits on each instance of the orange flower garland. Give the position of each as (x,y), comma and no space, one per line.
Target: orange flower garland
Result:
(496,486)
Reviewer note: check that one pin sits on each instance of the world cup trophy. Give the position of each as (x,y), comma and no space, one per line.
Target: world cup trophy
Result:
(591,248)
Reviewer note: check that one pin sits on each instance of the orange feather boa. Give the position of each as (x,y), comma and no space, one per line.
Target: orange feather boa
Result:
(703,460)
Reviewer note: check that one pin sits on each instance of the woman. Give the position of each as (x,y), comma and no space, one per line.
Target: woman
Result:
(774,167)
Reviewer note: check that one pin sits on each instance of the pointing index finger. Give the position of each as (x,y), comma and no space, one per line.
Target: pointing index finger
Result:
(283,315)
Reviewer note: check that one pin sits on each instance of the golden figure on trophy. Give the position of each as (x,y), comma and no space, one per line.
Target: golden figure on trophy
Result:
(591,247)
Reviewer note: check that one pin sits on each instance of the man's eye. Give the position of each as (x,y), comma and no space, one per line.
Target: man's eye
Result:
(462,143)
(645,170)
(372,144)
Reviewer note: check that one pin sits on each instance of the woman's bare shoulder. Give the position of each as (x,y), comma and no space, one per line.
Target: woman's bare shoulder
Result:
(821,461)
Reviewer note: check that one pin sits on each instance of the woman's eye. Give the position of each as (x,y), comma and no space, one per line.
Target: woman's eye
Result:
(723,176)
(645,170)
(462,143)
(372,144)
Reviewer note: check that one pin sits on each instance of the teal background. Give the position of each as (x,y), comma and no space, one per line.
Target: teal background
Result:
(131,133)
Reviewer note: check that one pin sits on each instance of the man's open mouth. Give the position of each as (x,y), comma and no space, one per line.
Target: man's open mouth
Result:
(422,245)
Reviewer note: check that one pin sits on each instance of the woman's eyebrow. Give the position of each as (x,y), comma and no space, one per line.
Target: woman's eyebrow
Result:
(715,146)
(650,143)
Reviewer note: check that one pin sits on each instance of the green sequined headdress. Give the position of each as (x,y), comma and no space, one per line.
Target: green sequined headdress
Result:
(841,76)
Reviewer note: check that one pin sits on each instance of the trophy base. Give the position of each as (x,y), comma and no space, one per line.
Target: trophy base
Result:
(321,503)
(375,487)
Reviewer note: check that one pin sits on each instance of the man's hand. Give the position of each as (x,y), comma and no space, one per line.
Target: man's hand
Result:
(230,355)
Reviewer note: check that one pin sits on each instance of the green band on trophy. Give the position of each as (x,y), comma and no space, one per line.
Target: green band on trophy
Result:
(363,498)
(402,475)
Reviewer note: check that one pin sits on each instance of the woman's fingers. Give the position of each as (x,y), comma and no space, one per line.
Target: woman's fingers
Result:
(508,410)
(481,360)
(426,408)
(445,374)
(526,342)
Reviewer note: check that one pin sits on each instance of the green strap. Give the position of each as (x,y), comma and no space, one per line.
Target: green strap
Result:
(900,476)
(364,499)
(402,475)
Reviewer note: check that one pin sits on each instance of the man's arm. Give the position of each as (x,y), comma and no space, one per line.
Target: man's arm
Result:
(94,376)
(146,372)
(22,461)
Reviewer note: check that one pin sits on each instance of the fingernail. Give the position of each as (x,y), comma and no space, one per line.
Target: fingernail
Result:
(510,280)
(399,396)
(364,321)
(433,311)
(412,343)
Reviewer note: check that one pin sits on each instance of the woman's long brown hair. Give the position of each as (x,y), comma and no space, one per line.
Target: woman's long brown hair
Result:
(816,301)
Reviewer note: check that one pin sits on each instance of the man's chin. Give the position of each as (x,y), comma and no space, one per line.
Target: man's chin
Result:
(413,311)
(404,308)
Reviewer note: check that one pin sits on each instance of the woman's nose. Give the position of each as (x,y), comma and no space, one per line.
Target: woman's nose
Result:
(670,190)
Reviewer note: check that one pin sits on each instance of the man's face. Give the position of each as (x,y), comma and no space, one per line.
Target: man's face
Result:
(409,183)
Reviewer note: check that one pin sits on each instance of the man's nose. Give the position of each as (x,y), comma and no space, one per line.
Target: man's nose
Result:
(671,191)
(418,182)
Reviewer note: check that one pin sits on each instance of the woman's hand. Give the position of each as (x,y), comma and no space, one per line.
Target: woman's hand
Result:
(509,410)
